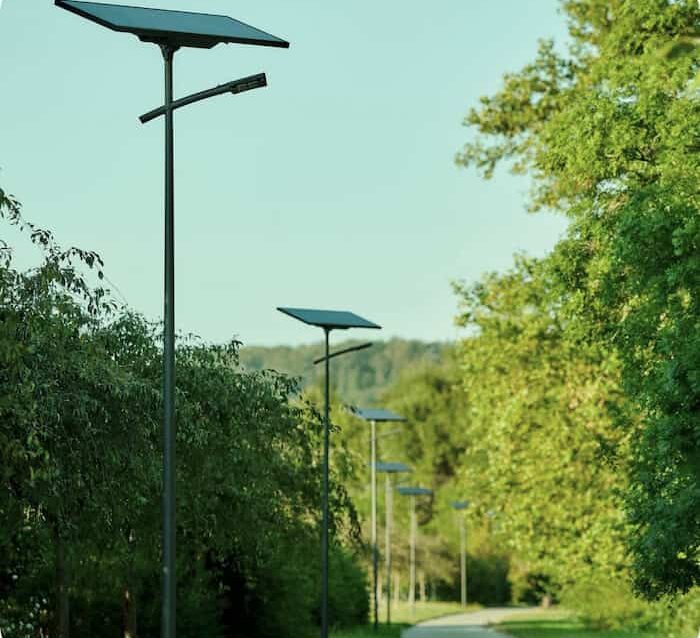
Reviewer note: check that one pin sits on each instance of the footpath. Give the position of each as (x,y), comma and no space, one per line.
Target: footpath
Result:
(472,625)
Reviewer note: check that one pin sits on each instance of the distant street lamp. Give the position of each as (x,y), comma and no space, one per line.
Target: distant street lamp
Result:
(328,320)
(412,492)
(389,469)
(461,506)
(171,30)
(375,416)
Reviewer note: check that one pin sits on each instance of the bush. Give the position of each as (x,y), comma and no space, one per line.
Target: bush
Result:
(284,592)
(348,595)
(487,580)
(610,604)
(682,616)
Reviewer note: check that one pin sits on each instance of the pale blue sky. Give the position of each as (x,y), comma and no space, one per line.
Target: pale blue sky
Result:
(334,187)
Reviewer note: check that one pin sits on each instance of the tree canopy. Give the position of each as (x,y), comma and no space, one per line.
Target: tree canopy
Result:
(80,415)
(608,131)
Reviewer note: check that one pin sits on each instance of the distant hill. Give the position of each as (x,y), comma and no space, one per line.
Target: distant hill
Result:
(359,377)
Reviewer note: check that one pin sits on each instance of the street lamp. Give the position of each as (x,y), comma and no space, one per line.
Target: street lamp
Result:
(389,469)
(412,492)
(375,416)
(461,506)
(328,320)
(171,30)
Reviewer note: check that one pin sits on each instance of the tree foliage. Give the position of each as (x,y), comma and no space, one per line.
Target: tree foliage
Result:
(609,134)
(80,457)
(361,381)
(543,453)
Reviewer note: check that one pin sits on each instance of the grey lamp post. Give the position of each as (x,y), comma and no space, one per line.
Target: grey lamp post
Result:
(328,320)
(172,30)
(389,469)
(375,416)
(412,492)
(460,506)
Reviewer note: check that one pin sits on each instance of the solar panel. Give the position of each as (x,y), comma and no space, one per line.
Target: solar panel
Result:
(329,318)
(391,468)
(178,28)
(377,414)
(414,491)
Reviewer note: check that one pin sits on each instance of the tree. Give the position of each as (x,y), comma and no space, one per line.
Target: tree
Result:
(80,414)
(609,134)
(543,453)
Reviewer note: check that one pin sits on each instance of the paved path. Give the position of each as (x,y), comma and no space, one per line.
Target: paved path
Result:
(473,625)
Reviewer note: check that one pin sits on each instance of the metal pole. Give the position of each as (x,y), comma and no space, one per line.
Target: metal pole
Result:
(463,560)
(412,576)
(387,544)
(169,576)
(466,575)
(373,480)
(324,530)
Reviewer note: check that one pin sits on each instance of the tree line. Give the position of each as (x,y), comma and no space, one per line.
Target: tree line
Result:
(80,460)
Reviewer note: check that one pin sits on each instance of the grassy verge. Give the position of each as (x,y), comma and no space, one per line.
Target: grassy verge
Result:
(402,617)
(558,624)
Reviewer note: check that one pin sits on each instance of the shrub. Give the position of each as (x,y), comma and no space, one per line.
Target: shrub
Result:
(611,604)
(348,595)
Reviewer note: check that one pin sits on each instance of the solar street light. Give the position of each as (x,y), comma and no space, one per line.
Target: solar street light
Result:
(412,492)
(374,416)
(461,506)
(389,468)
(328,320)
(172,30)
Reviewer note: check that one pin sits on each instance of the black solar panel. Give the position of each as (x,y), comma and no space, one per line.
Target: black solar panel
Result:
(391,468)
(329,318)
(180,28)
(377,414)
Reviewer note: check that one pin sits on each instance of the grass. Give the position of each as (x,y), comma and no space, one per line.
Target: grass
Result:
(401,617)
(557,623)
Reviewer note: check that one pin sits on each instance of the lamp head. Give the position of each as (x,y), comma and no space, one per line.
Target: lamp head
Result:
(249,83)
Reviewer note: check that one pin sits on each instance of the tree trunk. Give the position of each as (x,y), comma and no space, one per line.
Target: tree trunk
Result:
(129,593)
(421,586)
(129,613)
(397,588)
(62,601)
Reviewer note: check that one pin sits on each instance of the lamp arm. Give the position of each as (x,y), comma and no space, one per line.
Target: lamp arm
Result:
(237,86)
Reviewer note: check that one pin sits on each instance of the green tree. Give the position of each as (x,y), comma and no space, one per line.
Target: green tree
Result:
(609,134)
(80,414)
(542,450)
